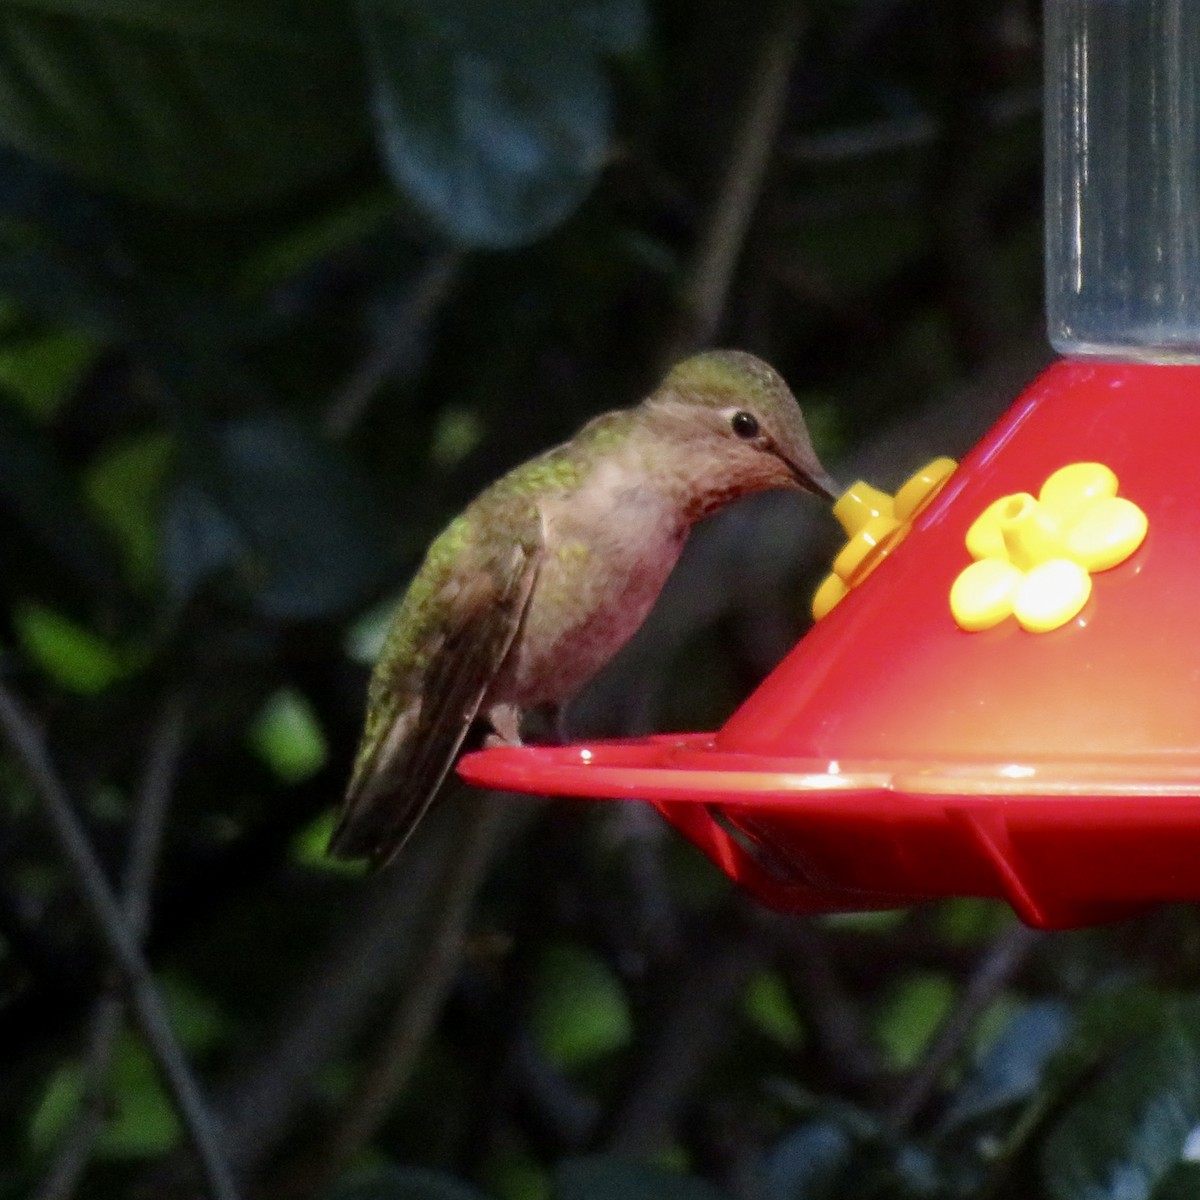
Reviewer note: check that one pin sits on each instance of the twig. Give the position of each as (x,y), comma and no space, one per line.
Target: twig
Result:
(439,945)
(75,1152)
(561,1115)
(149,814)
(370,946)
(683,1041)
(646,923)
(153,799)
(401,341)
(111,924)
(852,143)
(1003,959)
(374,946)
(723,237)
(842,1036)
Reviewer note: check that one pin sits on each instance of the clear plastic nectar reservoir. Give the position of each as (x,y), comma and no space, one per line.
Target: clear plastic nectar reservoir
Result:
(1123,178)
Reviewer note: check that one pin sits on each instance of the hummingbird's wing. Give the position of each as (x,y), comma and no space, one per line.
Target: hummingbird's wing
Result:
(397,780)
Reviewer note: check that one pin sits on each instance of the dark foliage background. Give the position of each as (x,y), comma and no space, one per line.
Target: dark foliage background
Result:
(282,283)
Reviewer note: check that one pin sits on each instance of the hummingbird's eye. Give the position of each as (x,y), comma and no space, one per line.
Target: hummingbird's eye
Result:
(744,424)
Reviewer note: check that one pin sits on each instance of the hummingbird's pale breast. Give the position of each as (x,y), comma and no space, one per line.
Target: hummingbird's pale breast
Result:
(610,546)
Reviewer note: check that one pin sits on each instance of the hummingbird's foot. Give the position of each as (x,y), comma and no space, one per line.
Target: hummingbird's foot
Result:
(505,719)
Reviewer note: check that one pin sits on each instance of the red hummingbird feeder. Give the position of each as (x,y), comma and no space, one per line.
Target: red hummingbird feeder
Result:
(1001,695)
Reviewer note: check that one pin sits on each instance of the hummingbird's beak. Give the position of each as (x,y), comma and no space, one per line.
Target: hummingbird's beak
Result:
(818,482)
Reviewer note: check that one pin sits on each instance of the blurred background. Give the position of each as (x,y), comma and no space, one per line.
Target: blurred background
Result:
(282,285)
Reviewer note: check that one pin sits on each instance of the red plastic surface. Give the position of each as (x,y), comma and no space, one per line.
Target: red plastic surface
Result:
(894,757)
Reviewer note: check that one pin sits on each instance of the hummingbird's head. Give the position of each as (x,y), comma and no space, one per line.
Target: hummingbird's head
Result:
(733,413)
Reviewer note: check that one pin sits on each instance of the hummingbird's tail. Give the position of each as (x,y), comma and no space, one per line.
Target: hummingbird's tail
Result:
(407,751)
(385,800)
(396,778)
(375,824)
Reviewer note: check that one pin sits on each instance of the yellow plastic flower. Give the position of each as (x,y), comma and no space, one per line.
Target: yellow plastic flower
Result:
(1034,555)
(875,523)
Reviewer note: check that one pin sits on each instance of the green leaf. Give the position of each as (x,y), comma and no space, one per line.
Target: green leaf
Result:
(457,432)
(618,26)
(71,655)
(125,489)
(52,1115)
(294,521)
(770,1008)
(57,283)
(1013,1067)
(913,1012)
(1180,1183)
(144,1122)
(310,848)
(580,1011)
(970,920)
(189,103)
(141,1120)
(43,370)
(494,119)
(854,252)
(366,636)
(200,540)
(315,240)
(878,921)
(512,1175)
(311,524)
(404,1183)
(600,1177)
(1109,1019)
(197,1020)
(288,737)
(1131,1129)
(43,499)
(807,1164)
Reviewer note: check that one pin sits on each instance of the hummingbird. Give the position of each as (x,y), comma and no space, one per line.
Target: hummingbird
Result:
(549,571)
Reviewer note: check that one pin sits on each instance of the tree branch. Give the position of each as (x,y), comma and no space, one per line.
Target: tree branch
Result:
(842,1035)
(1003,958)
(439,943)
(122,945)
(146,832)
(721,241)
(689,1032)
(397,347)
